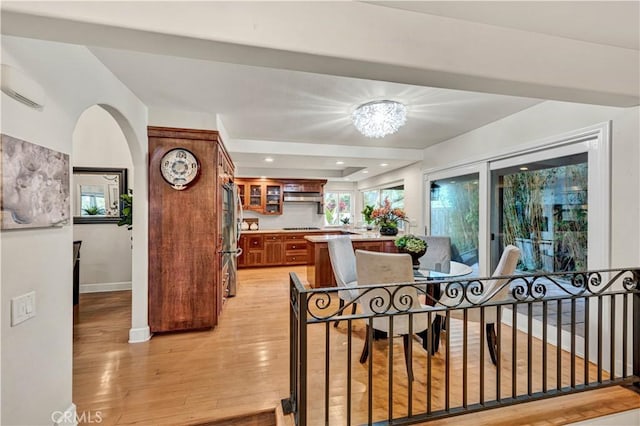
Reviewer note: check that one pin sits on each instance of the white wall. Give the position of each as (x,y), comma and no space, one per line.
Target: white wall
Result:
(105,261)
(164,117)
(37,354)
(293,215)
(552,118)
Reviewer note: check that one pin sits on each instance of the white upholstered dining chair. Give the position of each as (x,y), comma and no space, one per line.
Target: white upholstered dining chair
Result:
(494,291)
(388,268)
(343,263)
(438,255)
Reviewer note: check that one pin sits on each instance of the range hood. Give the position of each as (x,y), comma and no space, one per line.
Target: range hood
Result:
(302,197)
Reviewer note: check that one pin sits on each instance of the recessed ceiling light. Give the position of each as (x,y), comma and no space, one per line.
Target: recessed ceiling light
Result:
(524,168)
(339,162)
(365,171)
(383,164)
(269,160)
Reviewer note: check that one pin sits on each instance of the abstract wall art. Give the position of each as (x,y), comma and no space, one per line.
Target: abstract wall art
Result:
(34,185)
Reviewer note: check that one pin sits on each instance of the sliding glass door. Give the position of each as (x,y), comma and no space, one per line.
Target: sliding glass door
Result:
(542,208)
(454,212)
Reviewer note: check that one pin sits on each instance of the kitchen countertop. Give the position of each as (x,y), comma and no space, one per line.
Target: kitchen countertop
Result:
(285,231)
(364,236)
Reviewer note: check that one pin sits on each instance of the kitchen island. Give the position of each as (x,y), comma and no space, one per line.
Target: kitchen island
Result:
(277,247)
(319,271)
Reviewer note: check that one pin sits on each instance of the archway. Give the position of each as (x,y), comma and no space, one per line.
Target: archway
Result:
(122,134)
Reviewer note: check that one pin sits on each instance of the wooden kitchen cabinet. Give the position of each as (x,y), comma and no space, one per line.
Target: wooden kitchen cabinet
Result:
(300,185)
(186,274)
(256,197)
(273,198)
(295,249)
(242,193)
(261,196)
(272,250)
(254,253)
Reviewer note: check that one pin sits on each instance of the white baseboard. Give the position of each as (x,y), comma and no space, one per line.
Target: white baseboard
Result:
(139,335)
(67,417)
(104,287)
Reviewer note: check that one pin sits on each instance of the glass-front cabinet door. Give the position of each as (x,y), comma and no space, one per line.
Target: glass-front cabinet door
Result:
(255,197)
(273,203)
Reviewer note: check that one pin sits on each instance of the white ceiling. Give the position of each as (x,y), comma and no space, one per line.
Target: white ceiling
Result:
(612,23)
(302,119)
(264,104)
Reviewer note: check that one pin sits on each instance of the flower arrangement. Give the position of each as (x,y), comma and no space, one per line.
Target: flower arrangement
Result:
(386,217)
(366,212)
(411,244)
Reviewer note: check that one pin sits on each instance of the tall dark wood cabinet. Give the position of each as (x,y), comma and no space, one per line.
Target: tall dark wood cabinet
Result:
(185,276)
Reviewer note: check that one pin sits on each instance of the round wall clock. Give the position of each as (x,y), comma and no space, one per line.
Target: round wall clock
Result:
(179,167)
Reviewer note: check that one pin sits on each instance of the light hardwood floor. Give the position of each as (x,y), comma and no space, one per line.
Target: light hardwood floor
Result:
(242,366)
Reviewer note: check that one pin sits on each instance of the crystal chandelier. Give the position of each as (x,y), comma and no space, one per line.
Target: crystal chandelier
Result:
(379,118)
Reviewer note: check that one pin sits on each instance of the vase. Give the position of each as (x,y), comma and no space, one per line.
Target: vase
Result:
(415,257)
(387,230)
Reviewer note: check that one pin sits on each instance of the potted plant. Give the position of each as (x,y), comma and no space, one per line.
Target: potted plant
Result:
(126,217)
(387,218)
(93,211)
(366,212)
(413,245)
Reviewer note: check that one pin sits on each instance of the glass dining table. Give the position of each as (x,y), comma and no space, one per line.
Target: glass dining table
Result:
(456,269)
(432,291)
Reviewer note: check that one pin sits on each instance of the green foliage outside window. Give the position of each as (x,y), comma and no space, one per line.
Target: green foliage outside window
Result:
(337,208)
(547,205)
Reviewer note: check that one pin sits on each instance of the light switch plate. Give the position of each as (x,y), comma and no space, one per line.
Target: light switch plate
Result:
(23,307)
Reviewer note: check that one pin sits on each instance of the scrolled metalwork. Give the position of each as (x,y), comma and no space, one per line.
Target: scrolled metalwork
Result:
(378,300)
(405,301)
(455,291)
(321,300)
(474,289)
(396,298)
(538,289)
(579,281)
(630,283)
(594,281)
(521,290)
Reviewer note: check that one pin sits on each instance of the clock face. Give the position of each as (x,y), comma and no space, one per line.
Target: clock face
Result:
(179,167)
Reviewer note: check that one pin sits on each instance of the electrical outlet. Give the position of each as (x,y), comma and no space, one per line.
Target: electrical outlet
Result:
(22,308)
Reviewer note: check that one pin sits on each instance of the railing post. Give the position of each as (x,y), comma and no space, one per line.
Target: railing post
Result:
(636,327)
(301,404)
(289,404)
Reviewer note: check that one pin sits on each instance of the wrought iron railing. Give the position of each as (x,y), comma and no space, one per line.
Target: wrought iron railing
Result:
(534,357)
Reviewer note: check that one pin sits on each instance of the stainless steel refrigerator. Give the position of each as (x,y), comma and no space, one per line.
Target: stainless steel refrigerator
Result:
(231,228)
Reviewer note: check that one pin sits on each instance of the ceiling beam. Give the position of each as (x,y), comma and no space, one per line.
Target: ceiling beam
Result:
(362,41)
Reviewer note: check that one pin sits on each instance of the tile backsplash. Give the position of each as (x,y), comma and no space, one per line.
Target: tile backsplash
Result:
(293,215)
